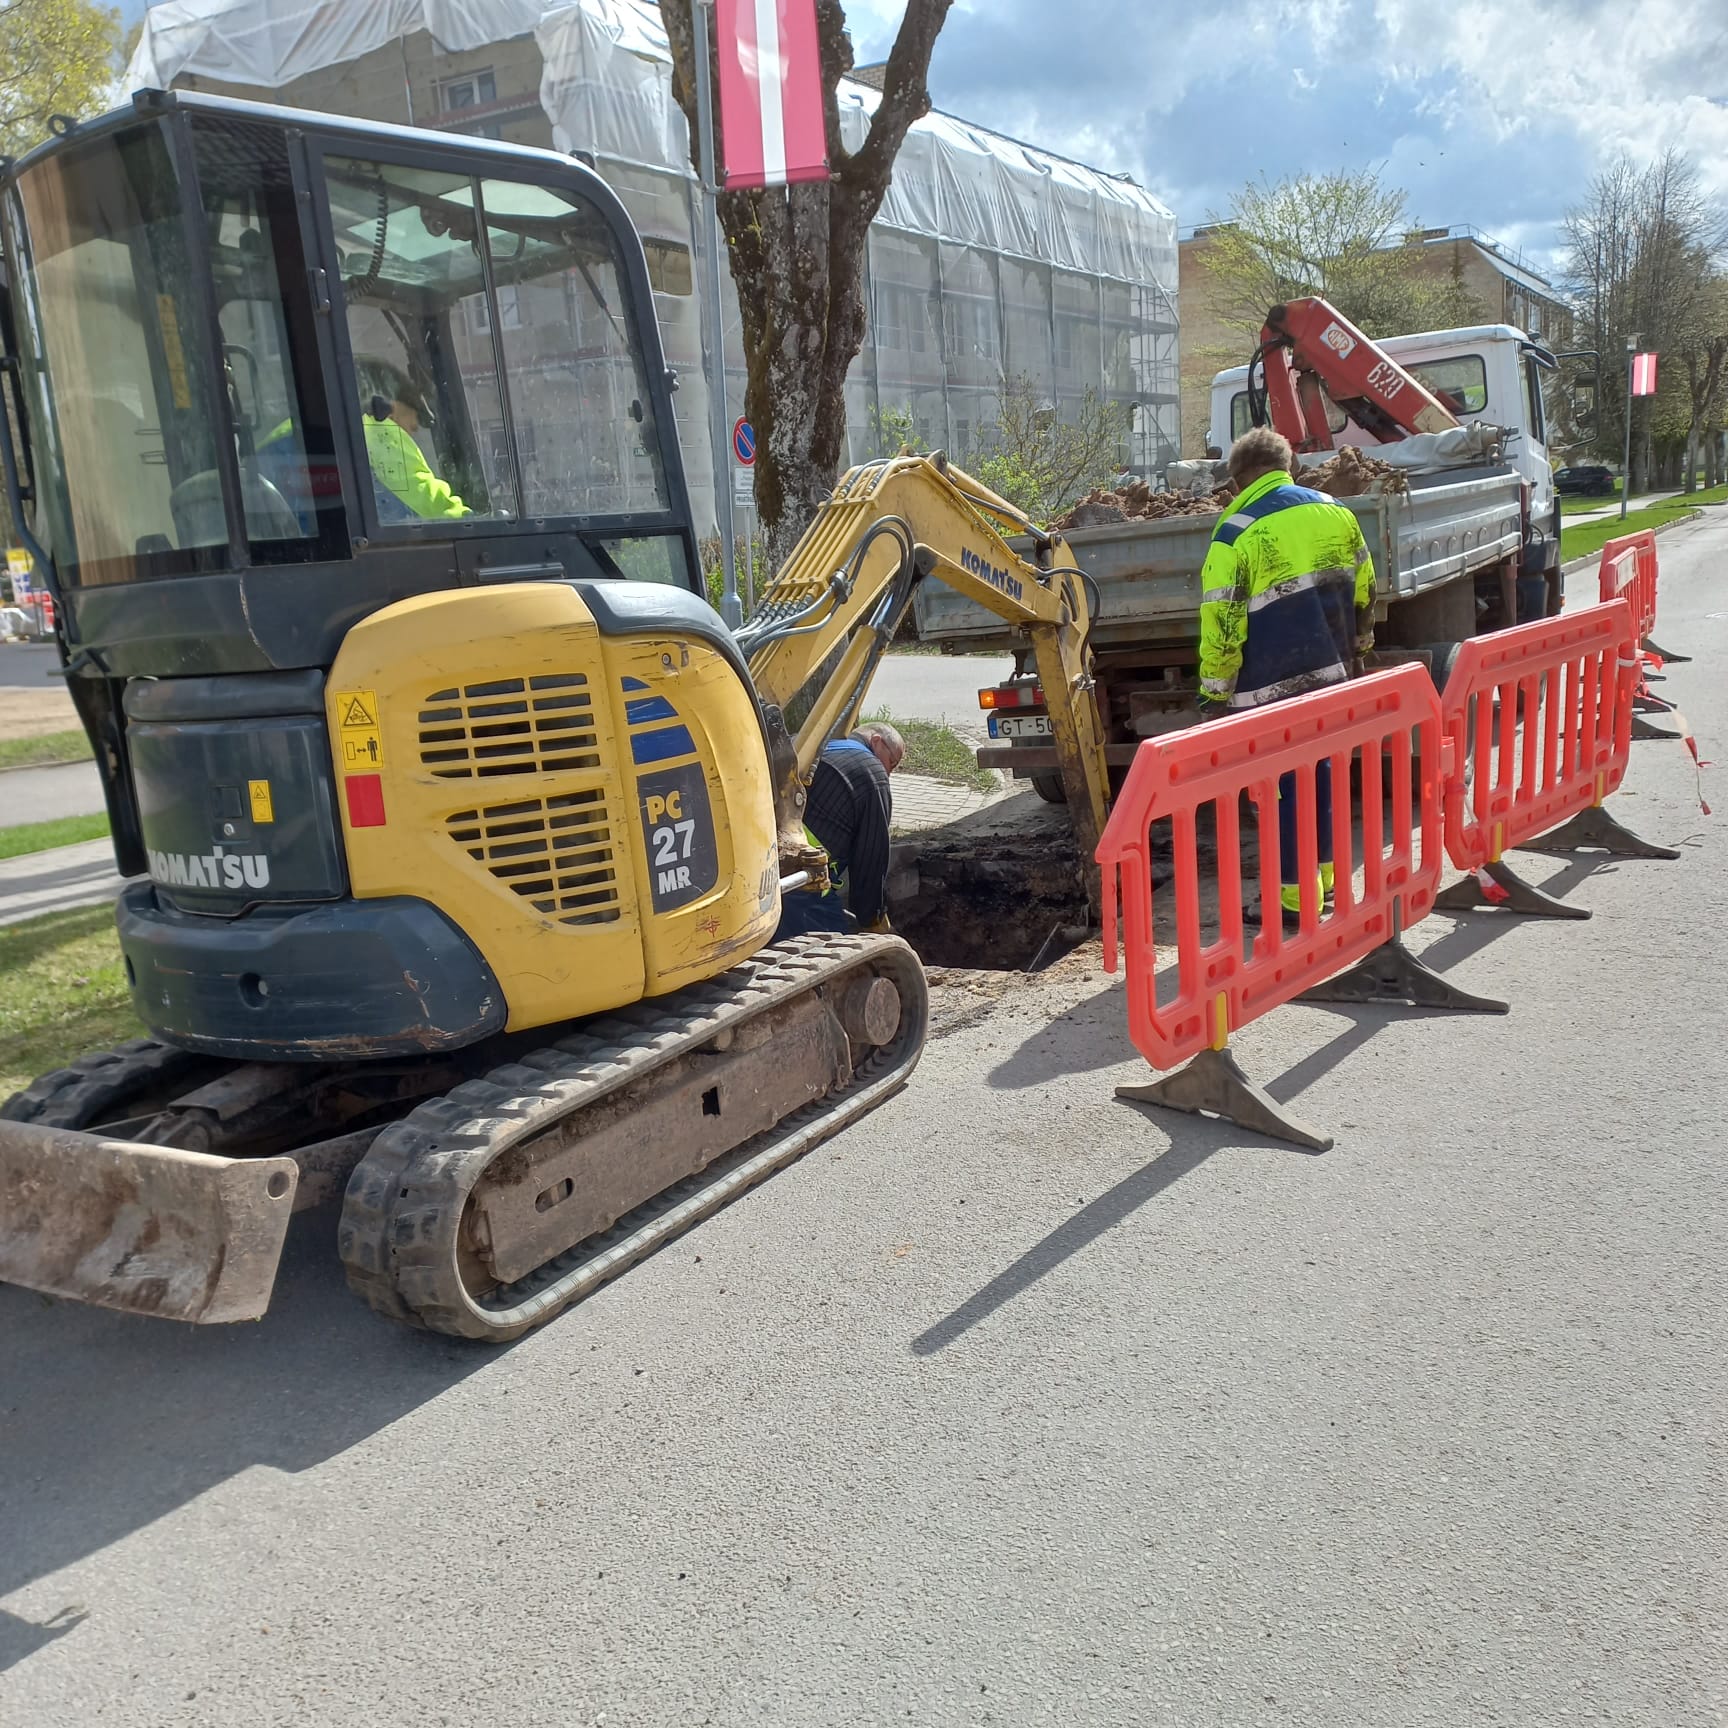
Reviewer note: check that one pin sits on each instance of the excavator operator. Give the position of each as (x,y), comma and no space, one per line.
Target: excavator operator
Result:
(848,814)
(406,488)
(1287,606)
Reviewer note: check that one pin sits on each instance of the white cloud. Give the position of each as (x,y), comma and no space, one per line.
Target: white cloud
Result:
(1637,75)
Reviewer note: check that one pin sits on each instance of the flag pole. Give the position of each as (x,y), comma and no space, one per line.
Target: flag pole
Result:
(730,610)
(1626,462)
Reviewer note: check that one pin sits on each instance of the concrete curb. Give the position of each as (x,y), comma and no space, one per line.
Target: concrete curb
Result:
(62,762)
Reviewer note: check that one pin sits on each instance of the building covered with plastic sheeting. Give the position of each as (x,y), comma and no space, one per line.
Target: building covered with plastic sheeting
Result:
(989,261)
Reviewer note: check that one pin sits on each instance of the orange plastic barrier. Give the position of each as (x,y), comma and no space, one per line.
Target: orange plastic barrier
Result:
(1540,718)
(1383,719)
(1628,572)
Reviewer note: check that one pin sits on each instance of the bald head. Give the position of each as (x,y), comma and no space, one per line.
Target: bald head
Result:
(883,742)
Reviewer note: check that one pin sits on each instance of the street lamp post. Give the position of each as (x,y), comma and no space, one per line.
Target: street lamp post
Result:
(1626,460)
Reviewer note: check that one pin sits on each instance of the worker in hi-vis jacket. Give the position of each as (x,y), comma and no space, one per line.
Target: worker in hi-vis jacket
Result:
(1287,606)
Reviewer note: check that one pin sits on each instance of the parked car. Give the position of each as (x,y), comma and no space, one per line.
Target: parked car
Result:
(1587,482)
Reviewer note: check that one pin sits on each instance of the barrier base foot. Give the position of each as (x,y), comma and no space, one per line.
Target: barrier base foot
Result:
(1663,654)
(1641,728)
(1520,896)
(1648,703)
(1393,974)
(1595,830)
(1213,1084)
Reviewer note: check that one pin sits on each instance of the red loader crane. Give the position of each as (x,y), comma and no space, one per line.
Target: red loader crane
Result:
(1311,353)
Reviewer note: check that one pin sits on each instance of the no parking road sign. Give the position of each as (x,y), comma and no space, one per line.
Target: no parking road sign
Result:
(744,441)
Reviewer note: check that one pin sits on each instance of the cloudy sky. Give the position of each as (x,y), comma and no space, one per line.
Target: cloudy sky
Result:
(1494,112)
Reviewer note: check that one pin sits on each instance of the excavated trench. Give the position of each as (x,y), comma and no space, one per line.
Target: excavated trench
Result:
(1000,890)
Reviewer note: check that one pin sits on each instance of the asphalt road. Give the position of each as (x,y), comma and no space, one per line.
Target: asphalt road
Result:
(937,686)
(1013,1404)
(28,666)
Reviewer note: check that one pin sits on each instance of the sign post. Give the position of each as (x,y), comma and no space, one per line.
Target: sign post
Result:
(743,498)
(729,607)
(1640,381)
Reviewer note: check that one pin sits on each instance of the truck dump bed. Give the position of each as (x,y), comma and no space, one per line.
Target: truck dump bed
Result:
(1451,524)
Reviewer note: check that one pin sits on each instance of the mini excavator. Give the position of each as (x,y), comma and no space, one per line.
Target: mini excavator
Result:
(458,822)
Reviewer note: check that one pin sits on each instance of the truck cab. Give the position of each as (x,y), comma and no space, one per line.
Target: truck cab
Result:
(1489,372)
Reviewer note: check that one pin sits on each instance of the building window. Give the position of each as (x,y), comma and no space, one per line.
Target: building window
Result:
(471,90)
(509,311)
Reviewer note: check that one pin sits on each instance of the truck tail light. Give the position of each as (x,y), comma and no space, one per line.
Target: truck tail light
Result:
(1012,696)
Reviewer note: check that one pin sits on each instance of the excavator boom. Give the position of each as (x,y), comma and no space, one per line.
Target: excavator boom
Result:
(830,613)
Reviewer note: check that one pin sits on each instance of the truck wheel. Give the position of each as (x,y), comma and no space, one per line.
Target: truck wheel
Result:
(1049,788)
(1442,657)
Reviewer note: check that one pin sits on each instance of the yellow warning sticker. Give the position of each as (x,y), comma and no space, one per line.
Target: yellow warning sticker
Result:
(262,809)
(361,741)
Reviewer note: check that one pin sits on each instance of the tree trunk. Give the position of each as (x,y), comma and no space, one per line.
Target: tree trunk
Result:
(797,260)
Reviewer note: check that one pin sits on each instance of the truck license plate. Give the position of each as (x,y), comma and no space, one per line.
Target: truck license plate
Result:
(1020,726)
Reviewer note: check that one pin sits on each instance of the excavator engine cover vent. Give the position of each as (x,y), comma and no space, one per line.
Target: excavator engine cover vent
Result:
(555,852)
(537,725)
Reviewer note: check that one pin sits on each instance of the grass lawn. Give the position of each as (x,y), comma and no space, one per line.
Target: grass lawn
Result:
(40,836)
(62,993)
(47,751)
(938,752)
(1590,537)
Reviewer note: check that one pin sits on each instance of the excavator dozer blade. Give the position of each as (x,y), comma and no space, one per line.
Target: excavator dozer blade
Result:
(150,1229)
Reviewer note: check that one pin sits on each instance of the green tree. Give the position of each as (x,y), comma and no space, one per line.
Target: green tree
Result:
(56,57)
(1644,251)
(1343,237)
(797,255)
(893,430)
(1042,459)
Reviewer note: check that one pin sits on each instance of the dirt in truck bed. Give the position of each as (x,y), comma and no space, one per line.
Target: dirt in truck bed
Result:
(1347,475)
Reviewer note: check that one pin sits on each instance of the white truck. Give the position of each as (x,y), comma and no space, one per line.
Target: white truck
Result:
(1469,546)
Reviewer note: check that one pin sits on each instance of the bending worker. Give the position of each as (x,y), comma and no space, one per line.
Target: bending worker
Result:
(1287,606)
(402,479)
(847,814)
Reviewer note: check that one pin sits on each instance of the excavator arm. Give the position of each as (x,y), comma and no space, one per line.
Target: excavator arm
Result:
(1312,353)
(830,613)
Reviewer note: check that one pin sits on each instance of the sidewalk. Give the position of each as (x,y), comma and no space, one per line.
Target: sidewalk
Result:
(52,881)
(920,802)
(48,794)
(1638,503)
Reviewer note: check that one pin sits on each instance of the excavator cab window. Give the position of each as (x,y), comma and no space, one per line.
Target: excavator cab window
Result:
(129,407)
(123,406)
(490,322)
(284,437)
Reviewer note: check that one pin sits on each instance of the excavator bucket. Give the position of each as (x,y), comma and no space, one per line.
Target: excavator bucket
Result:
(149,1229)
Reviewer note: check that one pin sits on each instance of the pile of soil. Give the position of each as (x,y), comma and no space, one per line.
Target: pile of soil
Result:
(1352,472)
(1137,502)
(1347,475)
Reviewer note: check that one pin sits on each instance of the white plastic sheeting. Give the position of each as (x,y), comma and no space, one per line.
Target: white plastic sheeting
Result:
(988,260)
(272,42)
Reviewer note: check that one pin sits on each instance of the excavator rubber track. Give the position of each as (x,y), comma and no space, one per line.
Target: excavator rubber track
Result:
(85,1091)
(487,1211)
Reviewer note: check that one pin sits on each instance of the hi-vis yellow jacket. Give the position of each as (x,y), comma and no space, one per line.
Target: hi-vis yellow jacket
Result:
(1287,596)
